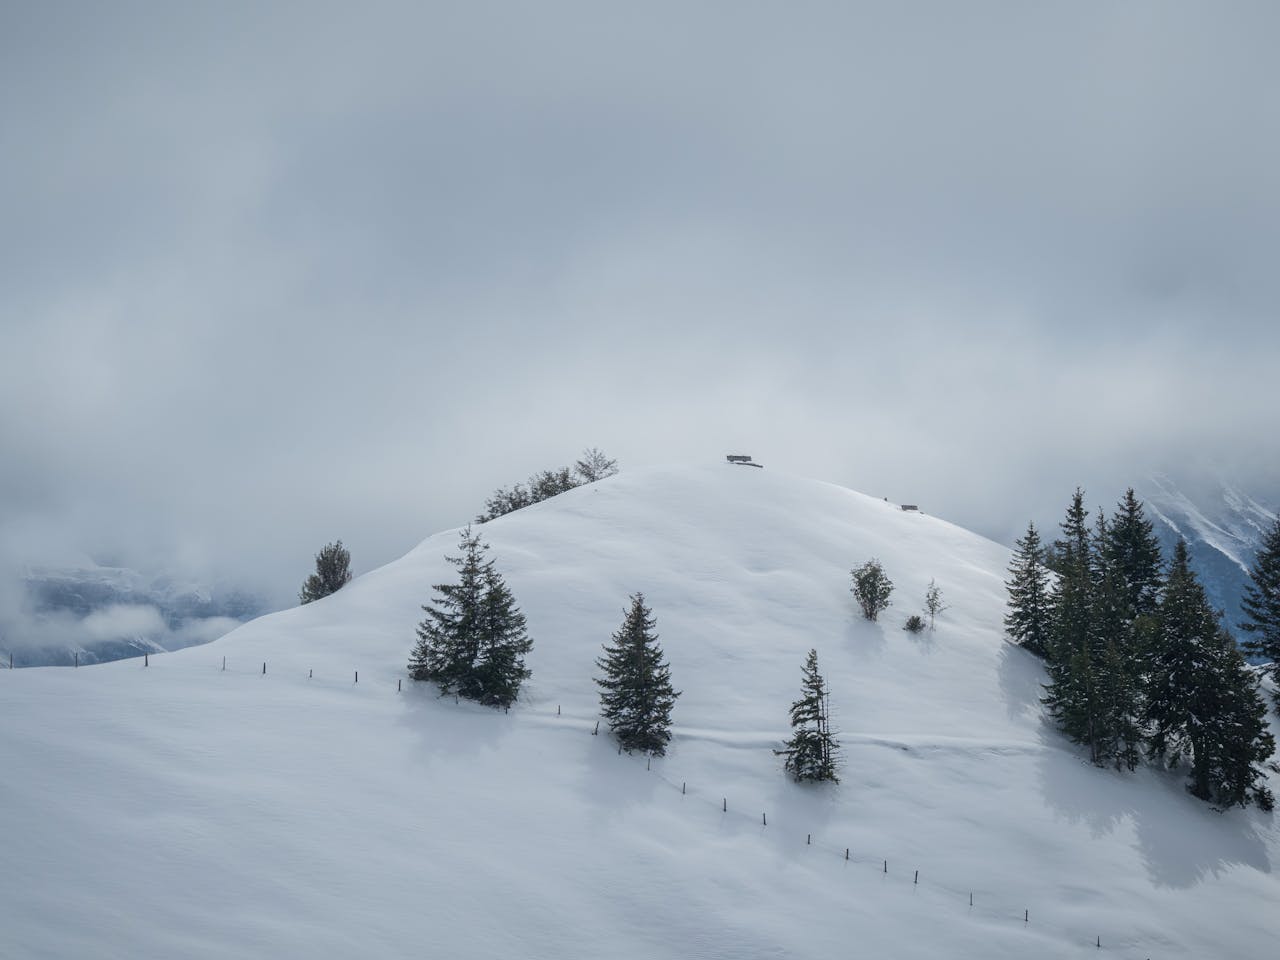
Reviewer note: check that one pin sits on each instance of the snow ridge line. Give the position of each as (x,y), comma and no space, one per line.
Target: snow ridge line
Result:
(974,898)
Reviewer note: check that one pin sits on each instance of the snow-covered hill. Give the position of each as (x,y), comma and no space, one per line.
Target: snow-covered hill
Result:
(182,810)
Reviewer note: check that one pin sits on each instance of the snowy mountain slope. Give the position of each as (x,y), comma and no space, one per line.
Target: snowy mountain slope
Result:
(1223,527)
(180,810)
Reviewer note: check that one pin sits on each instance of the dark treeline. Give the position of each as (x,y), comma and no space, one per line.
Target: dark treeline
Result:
(1139,662)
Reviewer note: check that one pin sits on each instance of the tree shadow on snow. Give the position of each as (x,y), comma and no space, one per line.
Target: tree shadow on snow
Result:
(1021,677)
(1180,839)
(449,730)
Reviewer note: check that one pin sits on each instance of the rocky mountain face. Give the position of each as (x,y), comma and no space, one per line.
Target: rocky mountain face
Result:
(1223,527)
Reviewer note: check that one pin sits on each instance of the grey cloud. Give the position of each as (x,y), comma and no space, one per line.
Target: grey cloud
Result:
(279,275)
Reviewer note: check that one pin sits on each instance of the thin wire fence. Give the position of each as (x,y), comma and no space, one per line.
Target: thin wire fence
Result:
(975,902)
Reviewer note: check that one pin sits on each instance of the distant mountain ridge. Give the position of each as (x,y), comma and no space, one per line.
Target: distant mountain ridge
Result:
(1223,527)
(102,613)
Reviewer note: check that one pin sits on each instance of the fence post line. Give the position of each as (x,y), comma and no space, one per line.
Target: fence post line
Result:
(917,877)
(808,839)
(648,762)
(224,663)
(596,731)
(683,784)
(886,866)
(846,853)
(264,668)
(398,680)
(77,659)
(971,898)
(146,659)
(357,676)
(557,709)
(764,820)
(724,808)
(1026,915)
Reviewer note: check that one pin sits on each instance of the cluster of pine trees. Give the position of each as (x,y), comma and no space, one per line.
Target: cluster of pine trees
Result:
(545,484)
(474,640)
(1138,660)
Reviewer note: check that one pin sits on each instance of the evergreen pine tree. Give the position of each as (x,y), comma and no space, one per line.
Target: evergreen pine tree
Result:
(812,752)
(1203,705)
(473,639)
(503,642)
(1116,727)
(1262,604)
(1132,549)
(872,588)
(1071,695)
(333,572)
(1239,740)
(636,695)
(1027,622)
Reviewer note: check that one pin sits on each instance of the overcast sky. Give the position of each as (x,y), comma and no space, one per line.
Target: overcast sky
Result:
(272,275)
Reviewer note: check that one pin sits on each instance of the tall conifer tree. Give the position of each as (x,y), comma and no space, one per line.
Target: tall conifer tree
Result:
(473,639)
(1262,605)
(636,695)
(1071,694)
(1203,705)
(1027,621)
(812,751)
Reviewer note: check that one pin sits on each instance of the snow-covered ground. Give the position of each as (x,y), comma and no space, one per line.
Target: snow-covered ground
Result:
(180,810)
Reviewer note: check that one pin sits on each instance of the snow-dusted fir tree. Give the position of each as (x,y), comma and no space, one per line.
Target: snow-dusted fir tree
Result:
(636,695)
(503,643)
(1262,604)
(1203,705)
(594,466)
(812,753)
(1027,622)
(872,588)
(1133,551)
(333,572)
(1071,694)
(473,639)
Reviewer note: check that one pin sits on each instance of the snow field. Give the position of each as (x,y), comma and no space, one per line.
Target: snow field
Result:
(177,810)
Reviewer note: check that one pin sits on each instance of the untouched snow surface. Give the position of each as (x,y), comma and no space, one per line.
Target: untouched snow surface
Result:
(178,810)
